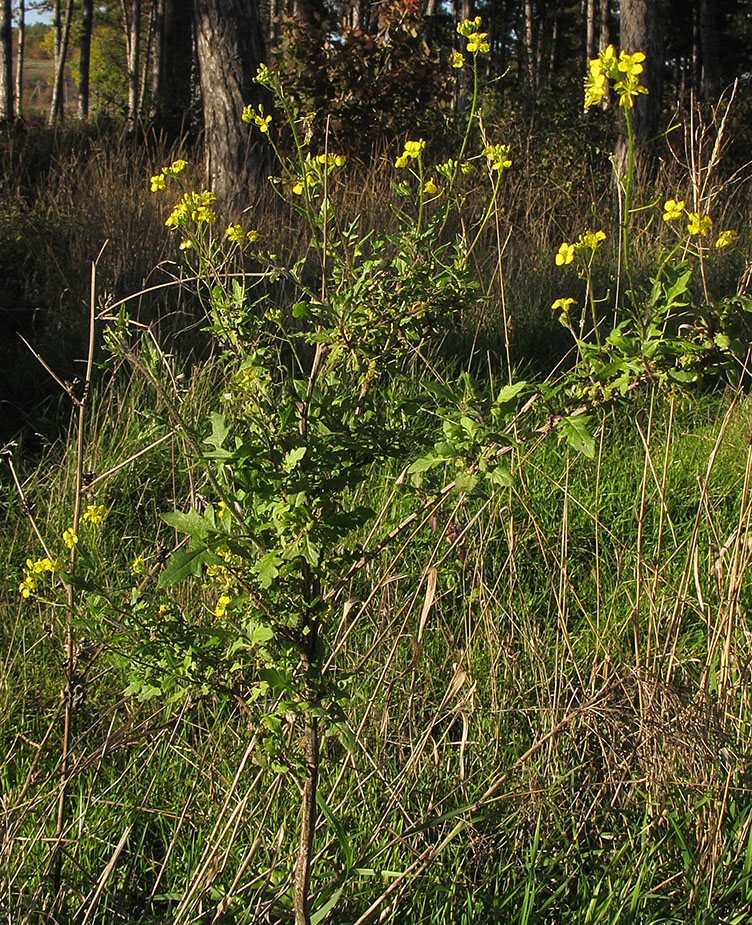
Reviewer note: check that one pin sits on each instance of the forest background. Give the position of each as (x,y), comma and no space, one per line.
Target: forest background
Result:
(456,630)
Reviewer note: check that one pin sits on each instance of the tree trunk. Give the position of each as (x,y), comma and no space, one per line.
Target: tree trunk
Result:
(145,81)
(20,57)
(62,28)
(708,50)
(171,67)
(530,44)
(6,63)
(604,37)
(87,20)
(589,31)
(230,47)
(640,30)
(132,23)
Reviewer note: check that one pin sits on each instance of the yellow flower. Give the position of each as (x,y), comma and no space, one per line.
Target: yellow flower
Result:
(331,160)
(699,224)
(94,514)
(27,586)
(498,155)
(221,606)
(468,26)
(672,209)
(726,237)
(70,537)
(258,119)
(431,188)
(137,566)
(157,182)
(477,44)
(186,245)
(565,254)
(624,71)
(235,233)
(413,150)
(40,566)
(631,65)
(563,304)
(595,83)
(176,167)
(591,239)
(458,59)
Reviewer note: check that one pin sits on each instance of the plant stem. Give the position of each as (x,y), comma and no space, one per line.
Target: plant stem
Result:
(302,874)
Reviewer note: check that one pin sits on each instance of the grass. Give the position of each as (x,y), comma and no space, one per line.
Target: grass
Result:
(554,730)
(545,688)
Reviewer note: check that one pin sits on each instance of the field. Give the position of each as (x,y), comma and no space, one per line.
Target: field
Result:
(347,580)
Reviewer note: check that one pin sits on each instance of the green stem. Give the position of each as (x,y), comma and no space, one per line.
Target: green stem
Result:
(627,187)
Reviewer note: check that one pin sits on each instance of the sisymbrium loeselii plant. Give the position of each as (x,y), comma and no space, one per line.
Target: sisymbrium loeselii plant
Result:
(299,428)
(657,333)
(318,394)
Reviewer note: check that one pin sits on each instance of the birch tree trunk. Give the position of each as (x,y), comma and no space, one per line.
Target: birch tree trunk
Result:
(87,20)
(20,57)
(6,63)
(61,26)
(132,23)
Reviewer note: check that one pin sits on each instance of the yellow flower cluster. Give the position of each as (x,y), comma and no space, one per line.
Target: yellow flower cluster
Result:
(699,224)
(450,167)
(498,157)
(413,151)
(623,70)
(221,606)
(331,160)
(94,514)
(458,59)
(315,169)
(726,237)
(237,235)
(158,181)
(476,40)
(35,568)
(70,538)
(257,118)
(589,239)
(193,207)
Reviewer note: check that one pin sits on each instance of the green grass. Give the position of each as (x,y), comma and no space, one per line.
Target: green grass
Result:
(584,594)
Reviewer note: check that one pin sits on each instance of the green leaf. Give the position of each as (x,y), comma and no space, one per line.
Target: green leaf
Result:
(425,463)
(185,562)
(219,430)
(575,431)
(191,523)
(267,568)
(507,399)
(294,457)
(466,481)
(501,476)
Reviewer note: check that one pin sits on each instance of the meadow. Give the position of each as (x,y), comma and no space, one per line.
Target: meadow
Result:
(347,580)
